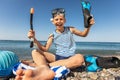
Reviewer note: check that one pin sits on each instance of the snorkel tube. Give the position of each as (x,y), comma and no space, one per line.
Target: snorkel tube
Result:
(31,25)
(86,9)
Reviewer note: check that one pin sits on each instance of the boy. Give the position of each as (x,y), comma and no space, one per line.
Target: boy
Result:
(65,49)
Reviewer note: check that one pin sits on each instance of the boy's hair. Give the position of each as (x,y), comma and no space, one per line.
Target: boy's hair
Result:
(58,11)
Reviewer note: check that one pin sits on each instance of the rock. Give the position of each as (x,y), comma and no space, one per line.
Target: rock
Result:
(105,74)
(92,75)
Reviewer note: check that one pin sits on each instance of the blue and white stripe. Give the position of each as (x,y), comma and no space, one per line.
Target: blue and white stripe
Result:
(60,71)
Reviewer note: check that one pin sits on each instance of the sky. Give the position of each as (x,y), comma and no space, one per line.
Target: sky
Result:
(15,19)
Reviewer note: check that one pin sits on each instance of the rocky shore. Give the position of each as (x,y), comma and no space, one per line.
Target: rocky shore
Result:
(81,74)
(105,74)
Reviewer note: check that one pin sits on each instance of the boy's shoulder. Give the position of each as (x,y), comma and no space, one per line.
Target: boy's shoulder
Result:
(51,36)
(71,28)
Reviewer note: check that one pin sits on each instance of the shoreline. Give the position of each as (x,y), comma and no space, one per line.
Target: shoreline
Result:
(29,57)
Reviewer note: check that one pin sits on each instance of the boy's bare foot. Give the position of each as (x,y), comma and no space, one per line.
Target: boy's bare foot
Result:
(40,73)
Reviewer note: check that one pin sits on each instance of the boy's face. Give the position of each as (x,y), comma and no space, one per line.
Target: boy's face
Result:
(59,20)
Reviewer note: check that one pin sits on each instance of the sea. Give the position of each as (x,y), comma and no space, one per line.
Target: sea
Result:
(23,50)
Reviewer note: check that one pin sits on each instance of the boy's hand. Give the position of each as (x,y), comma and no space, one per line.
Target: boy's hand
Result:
(31,34)
(91,22)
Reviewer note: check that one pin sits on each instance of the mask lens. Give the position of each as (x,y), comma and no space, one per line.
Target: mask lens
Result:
(58,11)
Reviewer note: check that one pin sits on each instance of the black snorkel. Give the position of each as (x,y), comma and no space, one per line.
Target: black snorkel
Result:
(31,25)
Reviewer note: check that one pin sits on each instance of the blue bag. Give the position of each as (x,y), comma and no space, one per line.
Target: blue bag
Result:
(91,63)
(7,60)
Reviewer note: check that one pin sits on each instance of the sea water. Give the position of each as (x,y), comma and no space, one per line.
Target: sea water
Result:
(23,50)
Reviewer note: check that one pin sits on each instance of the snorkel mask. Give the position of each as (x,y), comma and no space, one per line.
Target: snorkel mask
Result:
(58,11)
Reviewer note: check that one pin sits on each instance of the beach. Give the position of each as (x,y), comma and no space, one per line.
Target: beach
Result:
(80,74)
(106,49)
(105,74)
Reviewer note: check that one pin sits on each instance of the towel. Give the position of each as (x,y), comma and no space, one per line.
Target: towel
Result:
(61,71)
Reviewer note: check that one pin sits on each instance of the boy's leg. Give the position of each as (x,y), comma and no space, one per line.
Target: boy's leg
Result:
(48,57)
(76,60)
(72,62)
(39,73)
(38,58)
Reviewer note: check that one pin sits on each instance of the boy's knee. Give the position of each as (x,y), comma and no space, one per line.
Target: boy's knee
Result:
(35,52)
(79,59)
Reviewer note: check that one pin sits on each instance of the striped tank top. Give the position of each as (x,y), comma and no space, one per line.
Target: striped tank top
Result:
(64,43)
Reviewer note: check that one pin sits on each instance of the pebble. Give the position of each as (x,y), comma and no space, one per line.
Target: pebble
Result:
(105,74)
